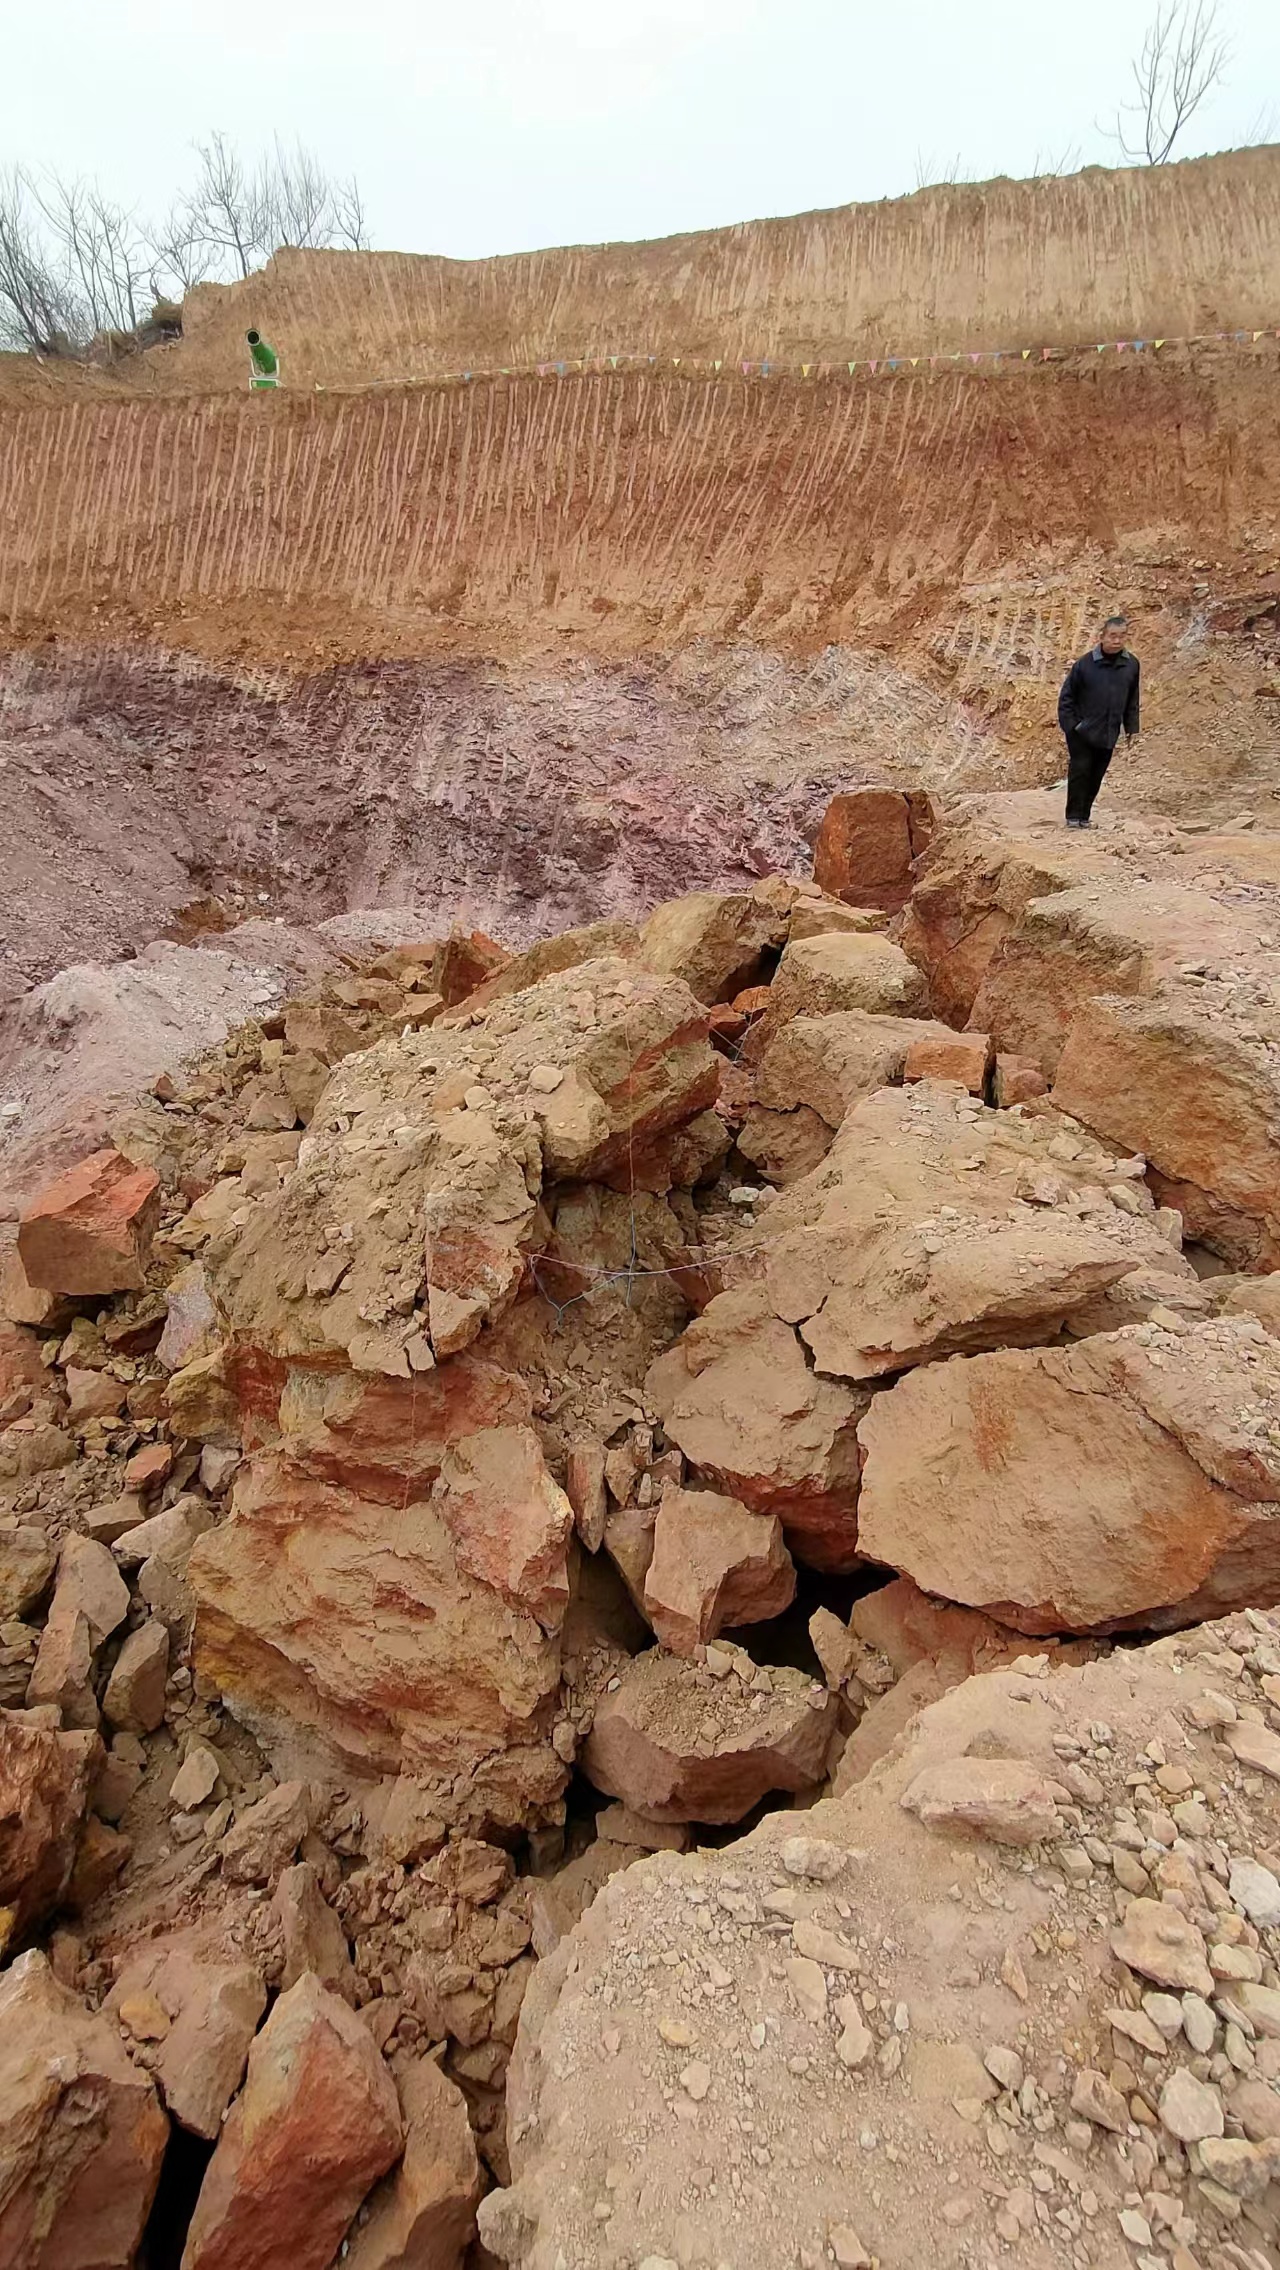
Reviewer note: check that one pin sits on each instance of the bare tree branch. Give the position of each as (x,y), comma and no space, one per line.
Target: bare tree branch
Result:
(1184,55)
(39,310)
(933,173)
(349,226)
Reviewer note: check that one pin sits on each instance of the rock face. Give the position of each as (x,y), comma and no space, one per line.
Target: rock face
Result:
(867,842)
(45,1779)
(676,1743)
(84,2134)
(90,1231)
(317,2124)
(423,2217)
(509,1522)
(1023,1482)
(714,1566)
(200,2015)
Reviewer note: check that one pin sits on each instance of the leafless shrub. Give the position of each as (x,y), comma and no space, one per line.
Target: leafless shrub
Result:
(1184,55)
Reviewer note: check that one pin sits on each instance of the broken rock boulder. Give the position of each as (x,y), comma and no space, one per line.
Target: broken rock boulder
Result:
(199,2012)
(738,1397)
(717,944)
(84,2133)
(715,1565)
(316,2125)
(423,2216)
(90,1231)
(402,1231)
(677,1742)
(867,842)
(45,1781)
(353,1619)
(509,1521)
(1026,1482)
(839,970)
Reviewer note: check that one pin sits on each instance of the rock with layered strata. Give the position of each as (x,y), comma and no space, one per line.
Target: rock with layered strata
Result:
(675,1743)
(960,1492)
(715,1565)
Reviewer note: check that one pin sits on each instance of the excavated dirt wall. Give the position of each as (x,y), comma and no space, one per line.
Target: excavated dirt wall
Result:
(1143,252)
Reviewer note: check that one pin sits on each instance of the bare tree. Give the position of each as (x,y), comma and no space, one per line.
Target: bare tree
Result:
(101,251)
(349,226)
(39,310)
(1184,55)
(230,207)
(1047,163)
(933,173)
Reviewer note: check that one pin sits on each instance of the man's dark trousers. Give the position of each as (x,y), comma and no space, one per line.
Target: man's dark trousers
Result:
(1086,771)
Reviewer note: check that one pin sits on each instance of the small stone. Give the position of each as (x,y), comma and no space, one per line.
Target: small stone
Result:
(1136,2228)
(1165,2013)
(544,1079)
(811,1856)
(1243,2169)
(808,1986)
(1175,1781)
(1093,2098)
(1190,2109)
(1137,2027)
(195,1780)
(1257,1891)
(848,2249)
(1005,2066)
(1198,2023)
(1254,1746)
(1013,1975)
(696,2080)
(676,2033)
(1162,1945)
(856,2042)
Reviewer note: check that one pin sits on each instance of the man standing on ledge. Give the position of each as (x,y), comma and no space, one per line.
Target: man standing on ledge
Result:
(1099,697)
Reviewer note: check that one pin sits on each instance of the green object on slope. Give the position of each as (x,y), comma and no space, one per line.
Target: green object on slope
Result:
(266,362)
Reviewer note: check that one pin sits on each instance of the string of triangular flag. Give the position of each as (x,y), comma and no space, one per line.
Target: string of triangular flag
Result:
(872,365)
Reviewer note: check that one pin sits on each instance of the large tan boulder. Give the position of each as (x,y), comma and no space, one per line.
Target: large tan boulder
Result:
(867,842)
(738,1397)
(444,1136)
(351,1618)
(90,1231)
(835,971)
(715,1565)
(1198,1093)
(1023,1482)
(423,2216)
(812,1073)
(716,943)
(676,1742)
(550,957)
(84,2136)
(45,1783)
(317,2123)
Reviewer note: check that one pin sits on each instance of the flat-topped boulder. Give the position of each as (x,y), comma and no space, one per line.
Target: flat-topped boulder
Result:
(680,1741)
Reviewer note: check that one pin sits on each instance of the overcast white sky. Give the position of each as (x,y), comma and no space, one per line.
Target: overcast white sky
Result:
(494,125)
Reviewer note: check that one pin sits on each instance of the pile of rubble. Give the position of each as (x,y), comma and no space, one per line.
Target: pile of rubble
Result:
(477,1389)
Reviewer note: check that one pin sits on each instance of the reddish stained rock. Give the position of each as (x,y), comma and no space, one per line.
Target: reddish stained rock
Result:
(134,1695)
(423,2216)
(675,1752)
(84,2136)
(864,849)
(715,1565)
(314,1939)
(509,1521)
(315,2126)
(1016,1080)
(91,1230)
(148,1468)
(965,1057)
(45,1781)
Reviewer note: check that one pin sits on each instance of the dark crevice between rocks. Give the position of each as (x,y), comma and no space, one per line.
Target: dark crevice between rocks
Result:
(185,2160)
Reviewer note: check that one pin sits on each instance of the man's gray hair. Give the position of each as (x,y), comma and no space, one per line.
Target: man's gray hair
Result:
(1116,623)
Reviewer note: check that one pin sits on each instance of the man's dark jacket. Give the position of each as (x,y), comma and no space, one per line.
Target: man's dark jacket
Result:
(1100,696)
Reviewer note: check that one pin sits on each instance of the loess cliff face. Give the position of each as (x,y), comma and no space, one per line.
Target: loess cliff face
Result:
(534,649)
